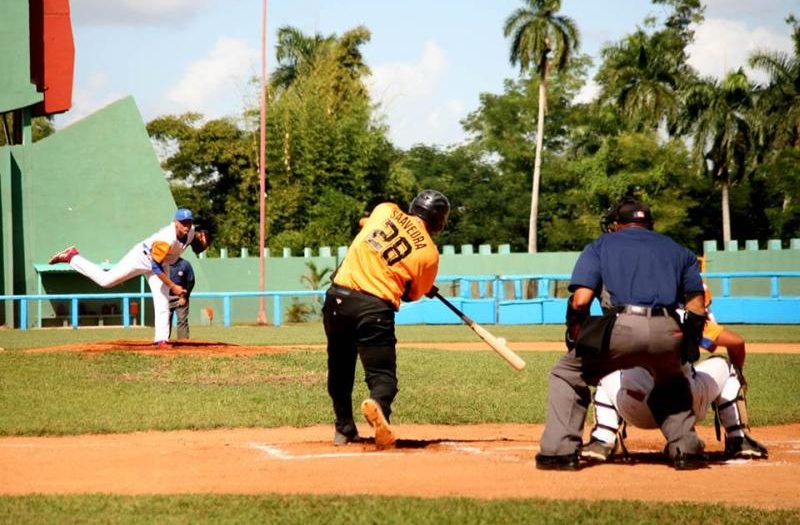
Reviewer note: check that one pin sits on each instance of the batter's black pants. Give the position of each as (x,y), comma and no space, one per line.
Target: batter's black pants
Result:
(359,324)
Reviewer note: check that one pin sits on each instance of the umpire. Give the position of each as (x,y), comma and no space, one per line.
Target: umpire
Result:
(182,273)
(642,276)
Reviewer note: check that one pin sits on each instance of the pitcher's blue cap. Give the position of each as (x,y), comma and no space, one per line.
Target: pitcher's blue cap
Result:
(184,214)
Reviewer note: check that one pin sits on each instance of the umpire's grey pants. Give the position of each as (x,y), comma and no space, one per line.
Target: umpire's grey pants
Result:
(650,342)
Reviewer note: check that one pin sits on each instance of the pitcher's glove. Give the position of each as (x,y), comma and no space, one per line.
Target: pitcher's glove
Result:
(201,241)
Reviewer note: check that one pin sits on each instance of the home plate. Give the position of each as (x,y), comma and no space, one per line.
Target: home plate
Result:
(278,453)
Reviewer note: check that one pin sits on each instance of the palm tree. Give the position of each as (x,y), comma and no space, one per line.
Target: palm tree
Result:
(642,76)
(718,117)
(781,96)
(294,52)
(779,108)
(537,31)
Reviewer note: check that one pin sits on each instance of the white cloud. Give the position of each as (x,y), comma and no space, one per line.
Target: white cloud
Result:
(217,81)
(395,80)
(135,12)
(87,99)
(588,92)
(746,8)
(722,46)
(411,96)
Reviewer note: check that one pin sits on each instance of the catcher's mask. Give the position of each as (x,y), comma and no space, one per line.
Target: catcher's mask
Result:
(432,207)
(627,211)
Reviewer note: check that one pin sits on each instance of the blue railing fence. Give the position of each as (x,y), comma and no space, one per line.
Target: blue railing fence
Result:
(504,299)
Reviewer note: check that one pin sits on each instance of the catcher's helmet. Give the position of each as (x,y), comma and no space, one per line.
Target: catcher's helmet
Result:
(432,207)
(627,210)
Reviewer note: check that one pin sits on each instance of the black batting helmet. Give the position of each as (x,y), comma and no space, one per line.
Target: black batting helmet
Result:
(628,210)
(432,207)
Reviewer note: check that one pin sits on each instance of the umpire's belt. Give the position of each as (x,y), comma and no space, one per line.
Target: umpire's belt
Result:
(645,311)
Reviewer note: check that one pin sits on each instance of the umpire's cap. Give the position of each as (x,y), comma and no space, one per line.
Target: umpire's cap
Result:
(633,210)
(629,210)
(432,207)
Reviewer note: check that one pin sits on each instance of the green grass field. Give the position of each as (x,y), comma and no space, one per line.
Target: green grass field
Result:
(74,393)
(365,510)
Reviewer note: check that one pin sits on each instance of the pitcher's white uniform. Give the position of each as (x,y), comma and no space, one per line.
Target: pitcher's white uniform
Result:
(150,257)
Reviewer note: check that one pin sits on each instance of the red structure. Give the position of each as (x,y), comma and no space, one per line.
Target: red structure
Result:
(52,55)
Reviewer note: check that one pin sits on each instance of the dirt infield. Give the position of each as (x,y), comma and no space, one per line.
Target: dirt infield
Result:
(479,461)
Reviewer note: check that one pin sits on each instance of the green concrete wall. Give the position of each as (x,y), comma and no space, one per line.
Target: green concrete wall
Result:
(96,184)
(16,89)
(284,273)
(755,261)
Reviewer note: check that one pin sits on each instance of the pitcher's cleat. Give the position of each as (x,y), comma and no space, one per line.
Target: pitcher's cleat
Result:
(384,437)
(163,345)
(64,256)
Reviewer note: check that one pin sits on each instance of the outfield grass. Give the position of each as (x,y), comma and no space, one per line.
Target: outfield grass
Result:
(74,393)
(363,510)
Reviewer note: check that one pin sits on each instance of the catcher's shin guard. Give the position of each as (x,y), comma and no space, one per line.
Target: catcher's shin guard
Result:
(731,412)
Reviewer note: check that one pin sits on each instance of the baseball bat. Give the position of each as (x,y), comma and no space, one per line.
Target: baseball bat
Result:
(498,346)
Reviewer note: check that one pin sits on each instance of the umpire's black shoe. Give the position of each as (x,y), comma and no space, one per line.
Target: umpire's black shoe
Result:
(684,461)
(562,462)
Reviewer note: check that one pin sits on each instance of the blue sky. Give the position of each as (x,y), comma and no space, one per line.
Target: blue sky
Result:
(430,59)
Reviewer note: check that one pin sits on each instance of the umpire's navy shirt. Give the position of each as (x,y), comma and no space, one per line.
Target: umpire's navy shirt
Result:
(639,267)
(182,273)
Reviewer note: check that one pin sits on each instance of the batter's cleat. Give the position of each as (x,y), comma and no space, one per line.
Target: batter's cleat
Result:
(64,256)
(384,437)
(561,462)
(744,447)
(596,450)
(162,345)
(340,439)
(683,461)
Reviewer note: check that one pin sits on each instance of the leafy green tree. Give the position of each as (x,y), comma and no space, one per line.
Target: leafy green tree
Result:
(629,163)
(501,137)
(644,73)
(41,127)
(295,53)
(212,169)
(536,31)
(718,117)
(481,197)
(327,156)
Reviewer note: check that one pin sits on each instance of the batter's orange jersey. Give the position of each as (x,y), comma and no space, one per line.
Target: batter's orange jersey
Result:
(393,256)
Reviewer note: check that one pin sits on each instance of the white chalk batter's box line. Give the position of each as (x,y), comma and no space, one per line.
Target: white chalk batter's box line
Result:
(276,452)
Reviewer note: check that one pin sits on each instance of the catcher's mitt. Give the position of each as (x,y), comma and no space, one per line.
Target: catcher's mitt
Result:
(201,241)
